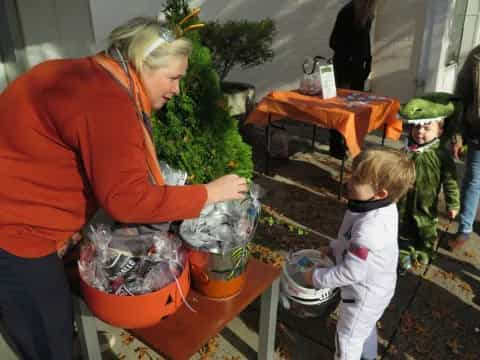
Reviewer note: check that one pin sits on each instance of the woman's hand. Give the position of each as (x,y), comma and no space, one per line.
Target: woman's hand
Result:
(228,187)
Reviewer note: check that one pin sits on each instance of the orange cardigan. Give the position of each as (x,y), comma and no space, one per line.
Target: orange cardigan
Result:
(71,142)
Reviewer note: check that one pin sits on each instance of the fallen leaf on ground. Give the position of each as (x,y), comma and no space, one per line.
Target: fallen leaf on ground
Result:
(465,287)
(142,353)
(208,349)
(266,255)
(392,350)
(408,322)
(421,330)
(456,324)
(422,348)
(470,356)
(436,315)
(454,346)
(126,338)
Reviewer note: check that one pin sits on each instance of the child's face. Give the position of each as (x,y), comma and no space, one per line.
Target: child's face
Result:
(427,132)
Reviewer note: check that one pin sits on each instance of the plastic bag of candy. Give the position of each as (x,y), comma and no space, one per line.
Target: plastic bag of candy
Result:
(224,226)
(123,264)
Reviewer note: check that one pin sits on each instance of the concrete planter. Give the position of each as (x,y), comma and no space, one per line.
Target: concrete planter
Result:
(240,97)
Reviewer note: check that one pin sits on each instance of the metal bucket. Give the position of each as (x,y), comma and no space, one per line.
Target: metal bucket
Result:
(218,275)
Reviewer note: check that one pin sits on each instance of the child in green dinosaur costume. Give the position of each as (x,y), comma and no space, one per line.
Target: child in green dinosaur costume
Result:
(435,169)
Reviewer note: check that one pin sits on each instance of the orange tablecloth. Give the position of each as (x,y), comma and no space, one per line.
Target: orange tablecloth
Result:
(354,119)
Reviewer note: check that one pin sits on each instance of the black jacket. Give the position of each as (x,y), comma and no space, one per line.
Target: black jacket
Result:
(348,40)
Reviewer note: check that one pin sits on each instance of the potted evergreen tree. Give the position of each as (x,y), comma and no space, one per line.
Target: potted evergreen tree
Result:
(238,43)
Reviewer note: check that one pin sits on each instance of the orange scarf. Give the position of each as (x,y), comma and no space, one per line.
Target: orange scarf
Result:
(133,84)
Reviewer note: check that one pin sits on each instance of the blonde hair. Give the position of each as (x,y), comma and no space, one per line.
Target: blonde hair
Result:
(385,168)
(145,41)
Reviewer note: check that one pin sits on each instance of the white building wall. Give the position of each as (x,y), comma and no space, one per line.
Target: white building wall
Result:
(303,29)
(441,77)
(55,29)
(397,44)
(72,28)
(3,77)
(108,14)
(471,31)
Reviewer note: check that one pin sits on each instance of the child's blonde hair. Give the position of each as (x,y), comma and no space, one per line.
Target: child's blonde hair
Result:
(385,168)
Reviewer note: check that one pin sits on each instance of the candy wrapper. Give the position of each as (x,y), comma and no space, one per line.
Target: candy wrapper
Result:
(172,176)
(122,263)
(224,226)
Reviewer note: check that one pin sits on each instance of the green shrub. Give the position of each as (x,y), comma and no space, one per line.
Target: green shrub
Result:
(239,43)
(194,131)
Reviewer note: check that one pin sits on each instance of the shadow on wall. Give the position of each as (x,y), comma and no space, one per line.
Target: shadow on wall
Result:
(53,30)
(64,29)
(397,47)
(399,84)
(303,29)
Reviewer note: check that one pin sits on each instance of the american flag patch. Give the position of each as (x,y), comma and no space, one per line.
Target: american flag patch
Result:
(359,251)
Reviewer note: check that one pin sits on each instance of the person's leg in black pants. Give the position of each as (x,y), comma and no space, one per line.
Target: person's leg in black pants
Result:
(36,306)
(348,75)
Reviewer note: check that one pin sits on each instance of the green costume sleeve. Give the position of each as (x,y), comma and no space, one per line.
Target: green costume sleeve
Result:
(449,181)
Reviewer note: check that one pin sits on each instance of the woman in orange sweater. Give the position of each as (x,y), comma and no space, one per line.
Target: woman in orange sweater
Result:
(75,136)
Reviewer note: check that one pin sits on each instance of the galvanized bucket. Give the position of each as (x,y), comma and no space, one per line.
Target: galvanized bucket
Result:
(218,275)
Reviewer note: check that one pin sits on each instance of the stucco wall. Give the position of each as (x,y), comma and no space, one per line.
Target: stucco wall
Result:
(396,47)
(71,28)
(303,27)
(107,14)
(440,76)
(55,29)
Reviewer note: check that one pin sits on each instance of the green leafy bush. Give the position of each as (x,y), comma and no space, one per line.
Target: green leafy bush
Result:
(194,131)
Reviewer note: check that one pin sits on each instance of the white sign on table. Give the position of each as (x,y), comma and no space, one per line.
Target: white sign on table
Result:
(327,80)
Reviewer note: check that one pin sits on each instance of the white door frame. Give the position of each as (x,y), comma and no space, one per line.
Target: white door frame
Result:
(12,49)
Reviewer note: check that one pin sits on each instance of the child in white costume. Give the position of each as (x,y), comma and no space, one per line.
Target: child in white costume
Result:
(366,250)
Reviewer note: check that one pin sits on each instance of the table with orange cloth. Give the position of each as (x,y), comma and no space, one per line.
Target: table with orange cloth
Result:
(352,113)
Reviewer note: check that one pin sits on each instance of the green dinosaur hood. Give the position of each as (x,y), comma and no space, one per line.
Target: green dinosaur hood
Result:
(428,107)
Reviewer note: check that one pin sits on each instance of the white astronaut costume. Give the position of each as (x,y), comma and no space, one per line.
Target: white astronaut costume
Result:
(366,255)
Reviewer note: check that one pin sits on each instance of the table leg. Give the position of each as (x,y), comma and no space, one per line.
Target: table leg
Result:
(267,144)
(268,321)
(384,134)
(314,135)
(87,330)
(340,182)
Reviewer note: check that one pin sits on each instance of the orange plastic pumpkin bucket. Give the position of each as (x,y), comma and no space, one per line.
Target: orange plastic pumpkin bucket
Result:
(214,275)
(137,311)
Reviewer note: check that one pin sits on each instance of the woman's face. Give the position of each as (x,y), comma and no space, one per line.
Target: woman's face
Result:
(163,83)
